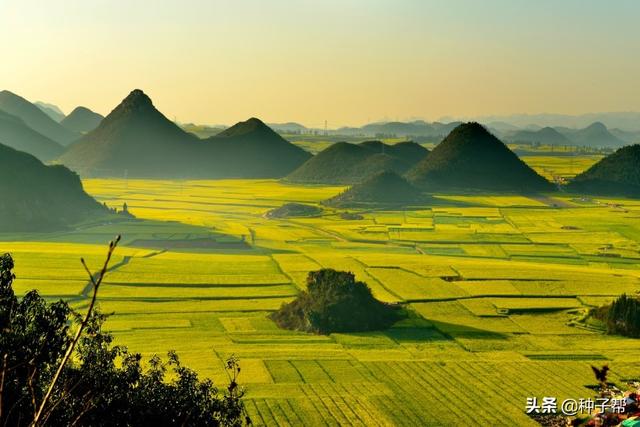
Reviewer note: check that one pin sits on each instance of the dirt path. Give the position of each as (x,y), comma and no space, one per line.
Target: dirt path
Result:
(550,201)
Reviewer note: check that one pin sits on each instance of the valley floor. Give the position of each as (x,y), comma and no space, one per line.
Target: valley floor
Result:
(492,283)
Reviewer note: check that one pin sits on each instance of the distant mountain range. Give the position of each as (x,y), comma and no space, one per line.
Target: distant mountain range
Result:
(81,120)
(287,127)
(15,133)
(594,134)
(35,118)
(628,121)
(546,135)
(36,197)
(418,128)
(50,110)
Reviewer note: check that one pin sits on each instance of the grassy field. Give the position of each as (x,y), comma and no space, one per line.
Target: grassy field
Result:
(491,283)
(568,166)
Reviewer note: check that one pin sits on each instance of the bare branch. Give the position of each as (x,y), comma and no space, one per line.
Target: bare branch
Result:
(86,268)
(32,389)
(96,284)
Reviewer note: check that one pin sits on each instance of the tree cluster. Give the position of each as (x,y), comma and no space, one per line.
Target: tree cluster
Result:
(335,302)
(623,316)
(102,384)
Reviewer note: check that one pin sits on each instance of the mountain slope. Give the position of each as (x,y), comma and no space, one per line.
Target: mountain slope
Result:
(596,135)
(251,149)
(344,163)
(82,120)
(38,197)
(135,140)
(407,151)
(616,174)
(626,136)
(472,158)
(546,135)
(16,134)
(50,110)
(35,118)
(383,188)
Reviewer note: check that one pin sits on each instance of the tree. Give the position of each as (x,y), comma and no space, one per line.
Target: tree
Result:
(335,302)
(623,316)
(103,384)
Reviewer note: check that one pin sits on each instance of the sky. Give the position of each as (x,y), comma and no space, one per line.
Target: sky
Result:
(344,61)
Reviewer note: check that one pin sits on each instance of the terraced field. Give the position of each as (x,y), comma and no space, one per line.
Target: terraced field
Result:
(491,283)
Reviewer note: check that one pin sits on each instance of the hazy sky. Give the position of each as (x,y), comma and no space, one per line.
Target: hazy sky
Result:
(345,61)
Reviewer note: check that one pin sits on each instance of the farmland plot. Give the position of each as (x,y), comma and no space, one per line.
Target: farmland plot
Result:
(489,283)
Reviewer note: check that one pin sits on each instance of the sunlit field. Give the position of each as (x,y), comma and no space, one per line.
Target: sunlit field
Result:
(561,166)
(493,284)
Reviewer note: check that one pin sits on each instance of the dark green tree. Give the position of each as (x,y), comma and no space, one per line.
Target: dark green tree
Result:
(623,316)
(103,384)
(335,302)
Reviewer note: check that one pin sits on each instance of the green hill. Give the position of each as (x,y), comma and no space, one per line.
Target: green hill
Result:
(408,151)
(82,120)
(470,157)
(596,135)
(137,140)
(546,135)
(35,118)
(16,134)
(384,188)
(344,163)
(134,139)
(50,110)
(37,197)
(616,174)
(251,149)
(293,210)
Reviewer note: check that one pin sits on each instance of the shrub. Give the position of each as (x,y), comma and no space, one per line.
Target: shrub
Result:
(335,302)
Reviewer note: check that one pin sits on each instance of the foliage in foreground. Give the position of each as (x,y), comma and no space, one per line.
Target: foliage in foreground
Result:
(103,384)
(335,302)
